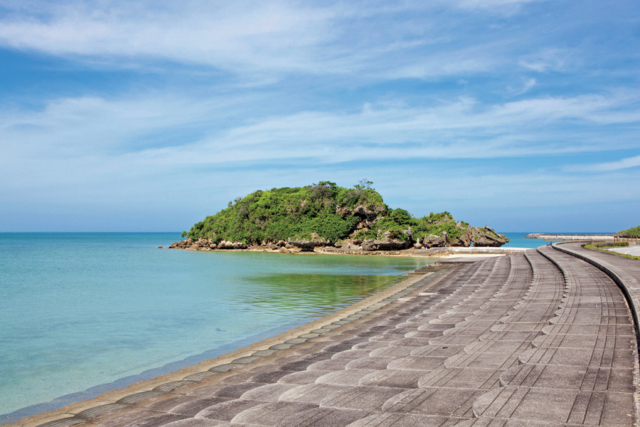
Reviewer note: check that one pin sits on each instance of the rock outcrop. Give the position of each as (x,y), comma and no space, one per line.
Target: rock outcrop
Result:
(368,216)
(204,244)
(433,241)
(308,244)
(462,241)
(361,211)
(184,244)
(480,237)
(487,237)
(369,245)
(385,245)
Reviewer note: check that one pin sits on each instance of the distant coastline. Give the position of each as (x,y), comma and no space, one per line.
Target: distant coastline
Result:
(570,236)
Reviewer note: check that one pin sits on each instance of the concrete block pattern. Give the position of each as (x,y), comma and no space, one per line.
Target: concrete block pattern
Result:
(540,338)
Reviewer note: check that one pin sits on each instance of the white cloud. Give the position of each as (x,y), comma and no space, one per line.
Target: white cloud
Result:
(405,40)
(525,188)
(504,6)
(223,34)
(528,84)
(549,59)
(627,163)
(76,127)
(151,133)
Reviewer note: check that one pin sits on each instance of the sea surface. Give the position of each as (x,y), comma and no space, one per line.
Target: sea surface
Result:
(517,240)
(84,313)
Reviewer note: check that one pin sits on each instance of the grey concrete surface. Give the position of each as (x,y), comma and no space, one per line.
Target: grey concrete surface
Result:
(539,338)
(625,272)
(629,250)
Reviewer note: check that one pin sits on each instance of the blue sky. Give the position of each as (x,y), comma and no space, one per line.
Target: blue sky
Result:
(149,115)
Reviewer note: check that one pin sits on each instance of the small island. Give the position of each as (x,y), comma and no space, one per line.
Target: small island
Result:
(324,214)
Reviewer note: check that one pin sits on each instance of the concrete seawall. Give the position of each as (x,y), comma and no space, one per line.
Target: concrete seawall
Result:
(536,338)
(624,272)
(571,237)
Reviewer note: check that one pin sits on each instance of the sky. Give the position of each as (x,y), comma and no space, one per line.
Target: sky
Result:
(523,115)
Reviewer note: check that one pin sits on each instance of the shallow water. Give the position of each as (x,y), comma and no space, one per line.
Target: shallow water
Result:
(104,310)
(517,240)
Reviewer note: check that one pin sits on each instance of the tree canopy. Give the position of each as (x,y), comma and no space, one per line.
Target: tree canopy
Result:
(332,212)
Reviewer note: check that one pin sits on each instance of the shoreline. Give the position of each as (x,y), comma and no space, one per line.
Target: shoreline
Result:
(202,369)
(446,252)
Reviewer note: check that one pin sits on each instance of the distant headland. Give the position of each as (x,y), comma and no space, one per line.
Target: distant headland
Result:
(324,214)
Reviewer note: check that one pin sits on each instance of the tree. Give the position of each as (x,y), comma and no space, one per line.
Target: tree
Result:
(364,184)
(324,189)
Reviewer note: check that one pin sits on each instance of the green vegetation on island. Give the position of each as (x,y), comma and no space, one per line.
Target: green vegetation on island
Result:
(632,233)
(325,214)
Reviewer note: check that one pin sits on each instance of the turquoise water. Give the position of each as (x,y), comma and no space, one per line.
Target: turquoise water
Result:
(83,313)
(517,240)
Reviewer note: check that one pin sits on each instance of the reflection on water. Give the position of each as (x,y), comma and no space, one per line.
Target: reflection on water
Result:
(317,291)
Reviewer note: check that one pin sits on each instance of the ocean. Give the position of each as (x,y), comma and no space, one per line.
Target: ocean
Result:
(517,240)
(85,313)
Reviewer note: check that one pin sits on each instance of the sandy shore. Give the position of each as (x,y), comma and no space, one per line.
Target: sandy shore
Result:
(201,370)
(443,253)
